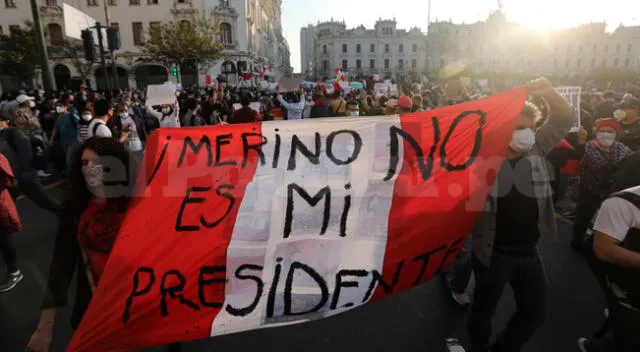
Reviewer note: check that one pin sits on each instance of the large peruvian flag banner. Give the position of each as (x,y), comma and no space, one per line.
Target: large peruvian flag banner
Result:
(262,225)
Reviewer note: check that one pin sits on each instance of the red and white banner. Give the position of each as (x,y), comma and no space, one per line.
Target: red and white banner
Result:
(262,225)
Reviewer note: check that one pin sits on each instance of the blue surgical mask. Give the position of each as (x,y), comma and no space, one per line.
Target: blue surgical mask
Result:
(166,111)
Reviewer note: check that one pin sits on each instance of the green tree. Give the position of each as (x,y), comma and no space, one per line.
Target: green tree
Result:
(18,55)
(185,43)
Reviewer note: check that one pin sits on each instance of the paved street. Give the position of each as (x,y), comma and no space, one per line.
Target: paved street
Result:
(418,320)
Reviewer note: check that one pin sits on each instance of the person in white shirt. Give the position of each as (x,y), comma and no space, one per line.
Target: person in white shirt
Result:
(306,113)
(168,116)
(133,142)
(617,244)
(294,107)
(98,126)
(617,216)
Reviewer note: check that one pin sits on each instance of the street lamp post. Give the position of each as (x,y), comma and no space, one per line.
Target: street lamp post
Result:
(47,76)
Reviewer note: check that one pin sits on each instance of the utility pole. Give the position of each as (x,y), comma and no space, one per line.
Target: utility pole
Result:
(103,62)
(428,16)
(114,68)
(47,76)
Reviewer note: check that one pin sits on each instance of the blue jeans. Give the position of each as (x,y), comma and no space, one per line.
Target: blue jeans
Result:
(525,274)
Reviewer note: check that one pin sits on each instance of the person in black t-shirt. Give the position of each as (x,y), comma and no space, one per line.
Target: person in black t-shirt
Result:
(516,214)
(213,111)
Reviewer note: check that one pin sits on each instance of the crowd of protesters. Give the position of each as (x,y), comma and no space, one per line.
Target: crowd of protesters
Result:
(68,135)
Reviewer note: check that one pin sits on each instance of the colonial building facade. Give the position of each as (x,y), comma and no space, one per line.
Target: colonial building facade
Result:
(384,50)
(250,32)
(497,44)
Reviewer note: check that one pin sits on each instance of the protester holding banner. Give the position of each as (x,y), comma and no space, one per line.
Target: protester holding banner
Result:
(519,211)
(598,165)
(93,211)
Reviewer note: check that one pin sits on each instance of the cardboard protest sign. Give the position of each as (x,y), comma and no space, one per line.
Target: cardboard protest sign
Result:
(381,88)
(572,95)
(160,94)
(289,84)
(261,225)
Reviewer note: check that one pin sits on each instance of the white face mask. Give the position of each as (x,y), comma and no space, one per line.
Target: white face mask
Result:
(86,117)
(619,114)
(93,176)
(59,109)
(522,140)
(123,115)
(606,139)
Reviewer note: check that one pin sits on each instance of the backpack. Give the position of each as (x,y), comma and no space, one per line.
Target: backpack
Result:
(625,278)
(95,129)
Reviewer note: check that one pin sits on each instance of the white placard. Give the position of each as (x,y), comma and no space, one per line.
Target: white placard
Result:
(161,94)
(255,106)
(75,21)
(381,88)
(572,94)
(286,84)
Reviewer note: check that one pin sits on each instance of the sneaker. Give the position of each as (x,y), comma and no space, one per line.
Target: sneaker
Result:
(11,281)
(462,299)
(454,345)
(585,345)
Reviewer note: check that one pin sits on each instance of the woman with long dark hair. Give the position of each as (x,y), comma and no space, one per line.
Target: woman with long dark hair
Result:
(94,207)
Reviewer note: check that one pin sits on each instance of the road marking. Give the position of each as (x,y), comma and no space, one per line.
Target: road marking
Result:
(47,187)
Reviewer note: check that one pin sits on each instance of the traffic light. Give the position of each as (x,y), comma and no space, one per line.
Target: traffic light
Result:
(88,45)
(113,39)
(174,71)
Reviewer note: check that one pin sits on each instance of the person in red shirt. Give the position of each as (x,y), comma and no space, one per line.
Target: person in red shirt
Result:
(9,224)
(244,114)
(94,208)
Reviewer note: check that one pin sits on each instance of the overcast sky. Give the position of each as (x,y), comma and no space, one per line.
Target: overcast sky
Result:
(540,14)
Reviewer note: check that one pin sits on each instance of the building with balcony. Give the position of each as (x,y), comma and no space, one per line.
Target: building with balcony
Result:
(499,45)
(250,31)
(384,50)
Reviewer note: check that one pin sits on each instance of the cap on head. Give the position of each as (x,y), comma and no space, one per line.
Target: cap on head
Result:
(613,124)
(23,98)
(629,103)
(404,102)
